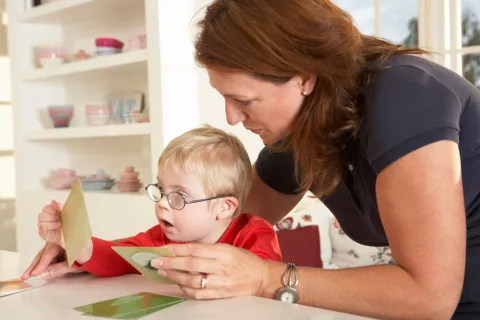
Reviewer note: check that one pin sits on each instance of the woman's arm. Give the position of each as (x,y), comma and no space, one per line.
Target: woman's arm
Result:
(268,203)
(420,199)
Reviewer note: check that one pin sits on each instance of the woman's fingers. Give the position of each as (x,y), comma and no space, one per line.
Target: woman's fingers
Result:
(204,294)
(197,250)
(194,281)
(189,264)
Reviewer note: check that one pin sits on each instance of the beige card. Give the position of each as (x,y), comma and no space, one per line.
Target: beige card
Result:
(75,223)
(139,257)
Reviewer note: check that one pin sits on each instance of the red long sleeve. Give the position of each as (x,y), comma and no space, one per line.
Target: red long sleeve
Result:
(246,231)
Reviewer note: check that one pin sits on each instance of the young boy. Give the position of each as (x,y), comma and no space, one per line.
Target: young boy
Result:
(204,177)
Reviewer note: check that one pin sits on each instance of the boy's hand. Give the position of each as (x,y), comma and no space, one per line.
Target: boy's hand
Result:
(49,263)
(50,225)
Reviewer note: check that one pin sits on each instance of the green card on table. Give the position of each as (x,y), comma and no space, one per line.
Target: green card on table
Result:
(132,306)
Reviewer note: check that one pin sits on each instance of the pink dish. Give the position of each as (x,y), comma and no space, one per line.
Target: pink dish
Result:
(109,42)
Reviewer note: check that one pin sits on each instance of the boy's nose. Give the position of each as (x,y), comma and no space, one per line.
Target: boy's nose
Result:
(163,203)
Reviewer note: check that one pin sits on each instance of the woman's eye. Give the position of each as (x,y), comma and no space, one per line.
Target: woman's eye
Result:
(243,103)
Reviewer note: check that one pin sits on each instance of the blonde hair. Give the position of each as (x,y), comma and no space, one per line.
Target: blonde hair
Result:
(216,157)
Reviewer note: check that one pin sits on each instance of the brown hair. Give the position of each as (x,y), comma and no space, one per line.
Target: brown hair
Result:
(217,158)
(278,39)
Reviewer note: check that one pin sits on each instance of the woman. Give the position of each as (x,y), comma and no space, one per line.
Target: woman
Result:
(388,140)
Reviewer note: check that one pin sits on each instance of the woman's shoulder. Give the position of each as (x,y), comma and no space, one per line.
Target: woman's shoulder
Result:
(398,71)
(410,102)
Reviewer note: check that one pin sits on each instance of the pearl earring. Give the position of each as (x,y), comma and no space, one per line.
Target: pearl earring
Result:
(305,93)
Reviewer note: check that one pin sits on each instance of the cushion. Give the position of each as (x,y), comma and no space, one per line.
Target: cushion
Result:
(348,253)
(300,246)
(311,212)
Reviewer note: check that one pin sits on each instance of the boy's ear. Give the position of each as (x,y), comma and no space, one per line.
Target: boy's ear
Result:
(226,208)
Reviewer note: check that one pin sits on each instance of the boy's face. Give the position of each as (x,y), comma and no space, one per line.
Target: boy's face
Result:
(196,222)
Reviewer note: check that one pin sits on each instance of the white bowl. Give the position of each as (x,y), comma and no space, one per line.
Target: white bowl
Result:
(51,62)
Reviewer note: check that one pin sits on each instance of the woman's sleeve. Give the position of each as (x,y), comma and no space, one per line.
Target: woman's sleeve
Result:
(277,170)
(407,108)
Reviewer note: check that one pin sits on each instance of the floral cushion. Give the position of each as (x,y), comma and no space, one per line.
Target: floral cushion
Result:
(347,253)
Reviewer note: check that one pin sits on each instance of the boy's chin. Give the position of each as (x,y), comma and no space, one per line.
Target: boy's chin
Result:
(178,238)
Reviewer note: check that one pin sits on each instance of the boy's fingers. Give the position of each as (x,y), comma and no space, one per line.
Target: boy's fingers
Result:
(49,226)
(56,206)
(32,265)
(46,217)
(45,259)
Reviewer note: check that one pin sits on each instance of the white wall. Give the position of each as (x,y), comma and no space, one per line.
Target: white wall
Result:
(183,84)
(212,107)
(7,172)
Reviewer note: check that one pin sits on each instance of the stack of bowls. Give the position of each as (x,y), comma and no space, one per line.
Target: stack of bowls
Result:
(60,115)
(108,46)
(129,181)
(98,115)
(62,179)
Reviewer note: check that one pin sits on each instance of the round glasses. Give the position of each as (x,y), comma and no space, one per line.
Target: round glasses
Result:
(175,199)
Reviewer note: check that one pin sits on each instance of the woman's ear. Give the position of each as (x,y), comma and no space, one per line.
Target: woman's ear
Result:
(226,208)
(307,84)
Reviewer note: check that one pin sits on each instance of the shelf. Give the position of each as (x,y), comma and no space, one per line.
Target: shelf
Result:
(117,130)
(68,11)
(110,193)
(125,59)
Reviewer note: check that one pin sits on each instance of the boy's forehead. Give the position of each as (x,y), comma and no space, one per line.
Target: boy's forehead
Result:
(178,177)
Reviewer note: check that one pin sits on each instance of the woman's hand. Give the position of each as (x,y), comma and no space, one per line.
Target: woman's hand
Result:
(49,263)
(230,271)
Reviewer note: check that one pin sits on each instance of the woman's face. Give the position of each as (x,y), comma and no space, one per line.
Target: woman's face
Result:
(263,107)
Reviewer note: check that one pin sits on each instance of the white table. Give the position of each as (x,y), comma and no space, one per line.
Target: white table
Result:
(56,301)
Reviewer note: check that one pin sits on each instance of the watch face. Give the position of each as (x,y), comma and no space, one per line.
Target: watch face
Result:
(287,294)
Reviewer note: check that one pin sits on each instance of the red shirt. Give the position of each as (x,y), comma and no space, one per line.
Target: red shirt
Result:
(246,231)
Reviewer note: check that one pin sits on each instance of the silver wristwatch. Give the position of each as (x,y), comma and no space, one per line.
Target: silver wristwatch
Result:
(290,280)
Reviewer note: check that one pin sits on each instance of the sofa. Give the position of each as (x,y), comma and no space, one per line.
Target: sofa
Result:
(311,236)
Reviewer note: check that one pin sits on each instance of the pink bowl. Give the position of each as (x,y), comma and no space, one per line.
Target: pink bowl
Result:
(129,176)
(61,115)
(109,42)
(98,109)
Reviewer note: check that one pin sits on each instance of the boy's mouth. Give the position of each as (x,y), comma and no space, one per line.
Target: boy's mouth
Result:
(166,223)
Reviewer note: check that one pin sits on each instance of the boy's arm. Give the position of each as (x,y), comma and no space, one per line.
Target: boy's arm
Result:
(100,259)
(260,238)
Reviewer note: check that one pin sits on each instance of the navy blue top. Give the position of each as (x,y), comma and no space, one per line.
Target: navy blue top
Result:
(412,103)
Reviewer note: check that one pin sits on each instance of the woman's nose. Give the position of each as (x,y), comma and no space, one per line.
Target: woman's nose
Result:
(234,116)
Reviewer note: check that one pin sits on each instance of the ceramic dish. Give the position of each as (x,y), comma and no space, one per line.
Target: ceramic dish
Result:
(96,185)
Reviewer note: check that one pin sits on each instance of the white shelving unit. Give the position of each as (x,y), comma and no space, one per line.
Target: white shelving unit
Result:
(115,130)
(164,72)
(118,61)
(176,91)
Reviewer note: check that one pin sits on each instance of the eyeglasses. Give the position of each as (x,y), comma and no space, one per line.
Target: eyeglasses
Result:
(175,200)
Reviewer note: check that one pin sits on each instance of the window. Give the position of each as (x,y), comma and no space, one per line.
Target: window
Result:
(470,40)
(394,20)
(362,11)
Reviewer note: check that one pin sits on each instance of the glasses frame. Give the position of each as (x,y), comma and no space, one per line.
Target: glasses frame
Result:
(185,202)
